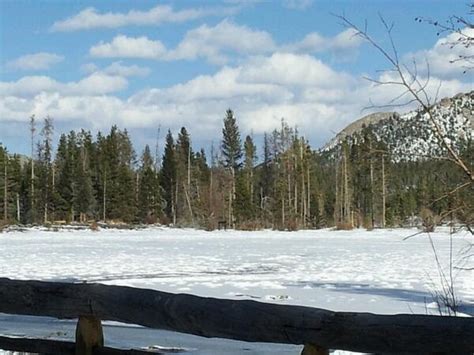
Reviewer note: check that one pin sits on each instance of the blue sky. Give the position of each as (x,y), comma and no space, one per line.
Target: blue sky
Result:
(144,64)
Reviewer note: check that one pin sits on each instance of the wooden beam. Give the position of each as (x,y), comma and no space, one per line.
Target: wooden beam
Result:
(48,346)
(89,335)
(311,349)
(241,320)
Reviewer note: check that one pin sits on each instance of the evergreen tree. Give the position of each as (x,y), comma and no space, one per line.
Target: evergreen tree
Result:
(184,161)
(266,181)
(64,193)
(242,205)
(85,203)
(149,201)
(10,186)
(45,181)
(250,158)
(232,153)
(168,177)
(231,143)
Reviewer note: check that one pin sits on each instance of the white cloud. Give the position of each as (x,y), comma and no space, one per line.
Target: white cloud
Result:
(94,84)
(221,44)
(90,18)
(261,90)
(226,84)
(214,43)
(442,54)
(36,61)
(129,47)
(315,43)
(297,4)
(287,69)
(117,68)
(89,68)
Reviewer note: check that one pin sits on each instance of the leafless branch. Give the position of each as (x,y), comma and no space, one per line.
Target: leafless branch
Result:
(410,80)
(453,191)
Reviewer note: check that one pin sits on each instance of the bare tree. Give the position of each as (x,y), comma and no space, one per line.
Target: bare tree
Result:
(461,27)
(414,90)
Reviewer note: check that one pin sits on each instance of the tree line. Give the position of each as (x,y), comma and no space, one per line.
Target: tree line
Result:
(287,185)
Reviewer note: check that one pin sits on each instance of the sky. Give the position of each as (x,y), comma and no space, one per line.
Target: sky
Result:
(144,65)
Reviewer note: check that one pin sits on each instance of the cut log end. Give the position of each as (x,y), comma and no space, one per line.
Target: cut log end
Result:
(89,335)
(311,349)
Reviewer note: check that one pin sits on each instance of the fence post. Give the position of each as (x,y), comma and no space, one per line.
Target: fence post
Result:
(89,335)
(311,349)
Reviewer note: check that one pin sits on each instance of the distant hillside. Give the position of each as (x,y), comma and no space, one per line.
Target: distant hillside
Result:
(410,136)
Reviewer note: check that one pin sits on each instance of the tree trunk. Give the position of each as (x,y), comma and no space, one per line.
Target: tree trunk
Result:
(188,200)
(18,212)
(308,204)
(383,191)
(32,187)
(372,193)
(174,207)
(347,202)
(104,199)
(5,192)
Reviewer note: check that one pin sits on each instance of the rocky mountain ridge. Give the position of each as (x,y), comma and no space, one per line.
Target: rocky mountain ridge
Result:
(410,136)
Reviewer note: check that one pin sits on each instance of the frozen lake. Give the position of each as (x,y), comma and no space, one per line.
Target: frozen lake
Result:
(356,270)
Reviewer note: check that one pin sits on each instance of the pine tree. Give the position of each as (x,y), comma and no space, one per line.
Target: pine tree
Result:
(10,186)
(250,158)
(149,201)
(64,193)
(242,205)
(201,178)
(32,215)
(4,191)
(85,203)
(45,181)
(184,161)
(168,177)
(232,153)
(231,143)
(266,180)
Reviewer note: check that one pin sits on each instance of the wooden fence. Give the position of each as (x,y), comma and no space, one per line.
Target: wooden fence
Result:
(316,329)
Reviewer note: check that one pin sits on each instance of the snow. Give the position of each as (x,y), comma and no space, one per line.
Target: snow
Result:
(357,270)
(410,136)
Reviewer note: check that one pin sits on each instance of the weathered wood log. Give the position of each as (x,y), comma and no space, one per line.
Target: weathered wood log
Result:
(241,320)
(47,346)
(89,335)
(311,349)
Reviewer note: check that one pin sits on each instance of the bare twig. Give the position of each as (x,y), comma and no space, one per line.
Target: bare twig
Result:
(408,79)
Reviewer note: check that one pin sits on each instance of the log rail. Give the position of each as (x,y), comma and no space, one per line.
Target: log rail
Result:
(244,320)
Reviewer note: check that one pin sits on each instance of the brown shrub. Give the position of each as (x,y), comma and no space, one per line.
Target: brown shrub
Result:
(344,226)
(3,225)
(429,220)
(94,226)
(292,225)
(210,224)
(150,218)
(250,225)
(164,220)
(367,223)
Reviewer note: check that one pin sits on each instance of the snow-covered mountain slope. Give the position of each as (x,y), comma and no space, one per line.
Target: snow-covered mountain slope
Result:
(411,135)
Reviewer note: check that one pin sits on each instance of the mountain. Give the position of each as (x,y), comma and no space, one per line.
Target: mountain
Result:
(410,136)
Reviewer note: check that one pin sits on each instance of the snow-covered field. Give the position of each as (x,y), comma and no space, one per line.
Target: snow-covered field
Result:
(357,270)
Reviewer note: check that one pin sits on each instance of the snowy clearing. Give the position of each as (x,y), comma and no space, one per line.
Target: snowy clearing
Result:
(356,270)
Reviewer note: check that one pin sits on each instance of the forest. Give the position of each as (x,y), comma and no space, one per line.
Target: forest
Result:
(285,185)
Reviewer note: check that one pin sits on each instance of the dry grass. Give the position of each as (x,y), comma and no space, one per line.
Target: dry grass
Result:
(343,226)
(254,225)
(94,226)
